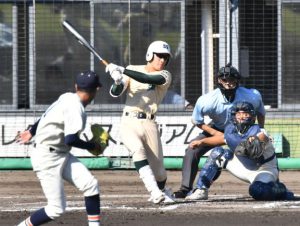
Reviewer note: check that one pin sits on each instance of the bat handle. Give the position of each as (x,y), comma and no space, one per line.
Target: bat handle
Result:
(104,62)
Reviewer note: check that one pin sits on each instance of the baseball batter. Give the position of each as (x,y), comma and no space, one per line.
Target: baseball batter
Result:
(216,105)
(56,132)
(250,157)
(146,86)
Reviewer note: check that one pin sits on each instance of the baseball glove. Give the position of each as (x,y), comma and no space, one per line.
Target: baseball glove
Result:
(253,149)
(100,136)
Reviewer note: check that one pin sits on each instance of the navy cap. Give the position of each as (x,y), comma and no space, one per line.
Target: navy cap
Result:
(88,80)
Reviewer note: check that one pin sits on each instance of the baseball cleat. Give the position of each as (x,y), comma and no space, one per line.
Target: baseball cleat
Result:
(168,195)
(198,194)
(180,194)
(157,197)
(157,200)
(289,195)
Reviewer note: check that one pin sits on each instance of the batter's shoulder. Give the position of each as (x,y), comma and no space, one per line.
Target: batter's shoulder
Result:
(165,73)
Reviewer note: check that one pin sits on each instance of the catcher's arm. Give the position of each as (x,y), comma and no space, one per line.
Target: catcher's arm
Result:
(263,137)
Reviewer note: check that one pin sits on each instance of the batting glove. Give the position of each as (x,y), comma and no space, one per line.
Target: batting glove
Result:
(113,67)
(117,76)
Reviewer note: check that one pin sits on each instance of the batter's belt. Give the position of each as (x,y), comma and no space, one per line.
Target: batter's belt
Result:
(139,115)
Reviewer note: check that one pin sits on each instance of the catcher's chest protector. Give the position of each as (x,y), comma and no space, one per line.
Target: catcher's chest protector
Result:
(233,138)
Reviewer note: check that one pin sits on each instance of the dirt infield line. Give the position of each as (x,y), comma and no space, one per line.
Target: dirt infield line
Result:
(234,203)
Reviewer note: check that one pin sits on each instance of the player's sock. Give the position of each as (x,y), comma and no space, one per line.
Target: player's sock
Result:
(39,217)
(161,184)
(150,183)
(26,222)
(94,220)
(92,204)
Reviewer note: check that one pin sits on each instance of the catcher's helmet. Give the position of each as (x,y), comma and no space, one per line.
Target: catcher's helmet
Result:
(242,125)
(158,47)
(228,73)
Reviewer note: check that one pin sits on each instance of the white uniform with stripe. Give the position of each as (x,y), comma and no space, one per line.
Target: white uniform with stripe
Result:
(51,158)
(141,136)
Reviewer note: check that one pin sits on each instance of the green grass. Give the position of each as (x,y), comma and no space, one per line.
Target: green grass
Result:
(290,129)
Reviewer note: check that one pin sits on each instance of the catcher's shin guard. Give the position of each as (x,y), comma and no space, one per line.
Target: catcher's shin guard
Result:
(212,168)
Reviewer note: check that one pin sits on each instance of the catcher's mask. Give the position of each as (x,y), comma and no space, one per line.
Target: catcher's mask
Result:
(243,115)
(227,80)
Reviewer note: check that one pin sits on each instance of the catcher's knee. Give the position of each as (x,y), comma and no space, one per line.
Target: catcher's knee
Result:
(91,187)
(267,191)
(266,177)
(55,211)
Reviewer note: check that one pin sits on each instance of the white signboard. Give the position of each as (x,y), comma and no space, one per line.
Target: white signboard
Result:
(176,132)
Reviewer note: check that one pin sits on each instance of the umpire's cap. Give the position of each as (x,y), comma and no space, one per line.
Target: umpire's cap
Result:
(88,81)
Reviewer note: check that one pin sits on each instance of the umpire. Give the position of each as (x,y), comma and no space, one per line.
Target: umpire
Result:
(216,105)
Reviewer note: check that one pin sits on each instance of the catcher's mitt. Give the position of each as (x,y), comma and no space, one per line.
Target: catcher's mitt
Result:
(253,149)
(100,136)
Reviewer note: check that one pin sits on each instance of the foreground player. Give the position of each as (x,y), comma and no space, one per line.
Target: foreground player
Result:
(250,157)
(146,86)
(216,104)
(56,132)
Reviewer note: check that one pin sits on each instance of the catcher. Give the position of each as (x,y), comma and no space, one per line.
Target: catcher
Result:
(250,157)
(56,132)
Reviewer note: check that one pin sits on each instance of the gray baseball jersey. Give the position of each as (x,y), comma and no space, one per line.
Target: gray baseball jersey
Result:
(65,116)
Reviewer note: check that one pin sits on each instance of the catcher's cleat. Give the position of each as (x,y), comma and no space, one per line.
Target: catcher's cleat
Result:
(289,195)
(198,194)
(180,194)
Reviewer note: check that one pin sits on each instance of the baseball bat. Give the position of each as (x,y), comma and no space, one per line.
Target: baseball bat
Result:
(83,41)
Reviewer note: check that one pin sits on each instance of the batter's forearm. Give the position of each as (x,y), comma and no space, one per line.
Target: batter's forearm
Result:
(116,90)
(145,78)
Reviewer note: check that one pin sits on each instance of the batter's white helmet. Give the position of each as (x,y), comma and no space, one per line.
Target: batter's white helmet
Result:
(157,47)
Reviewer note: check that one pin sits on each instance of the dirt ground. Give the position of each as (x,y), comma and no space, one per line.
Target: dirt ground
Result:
(124,202)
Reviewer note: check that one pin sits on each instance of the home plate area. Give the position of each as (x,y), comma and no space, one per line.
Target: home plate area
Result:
(124,202)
